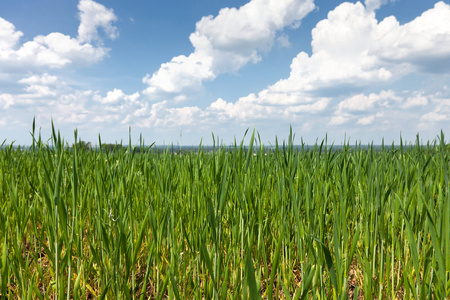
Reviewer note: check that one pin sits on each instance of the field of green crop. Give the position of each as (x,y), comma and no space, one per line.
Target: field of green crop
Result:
(225,222)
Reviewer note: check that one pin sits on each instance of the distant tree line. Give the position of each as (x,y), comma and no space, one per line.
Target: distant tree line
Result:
(112,147)
(82,145)
(87,146)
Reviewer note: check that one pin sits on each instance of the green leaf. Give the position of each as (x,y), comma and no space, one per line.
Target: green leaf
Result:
(138,244)
(251,280)
(329,262)
(174,285)
(223,187)
(306,284)
(205,256)
(250,151)
(275,262)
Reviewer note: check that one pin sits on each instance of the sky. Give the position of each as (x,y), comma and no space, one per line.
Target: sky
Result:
(176,71)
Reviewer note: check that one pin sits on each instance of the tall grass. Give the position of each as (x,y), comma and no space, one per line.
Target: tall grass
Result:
(225,222)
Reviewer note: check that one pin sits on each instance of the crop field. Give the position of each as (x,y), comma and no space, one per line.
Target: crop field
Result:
(234,222)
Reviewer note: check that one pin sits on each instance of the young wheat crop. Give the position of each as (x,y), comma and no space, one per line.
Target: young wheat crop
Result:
(232,223)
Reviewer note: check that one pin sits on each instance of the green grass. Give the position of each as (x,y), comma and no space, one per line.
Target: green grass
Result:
(235,223)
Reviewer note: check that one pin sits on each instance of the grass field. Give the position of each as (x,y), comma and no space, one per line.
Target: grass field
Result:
(228,223)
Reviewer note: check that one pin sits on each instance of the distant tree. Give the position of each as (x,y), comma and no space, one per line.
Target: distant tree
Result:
(82,145)
(111,147)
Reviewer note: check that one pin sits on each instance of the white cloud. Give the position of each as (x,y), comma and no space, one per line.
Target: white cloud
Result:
(48,97)
(417,100)
(38,90)
(161,115)
(44,79)
(339,120)
(346,57)
(366,106)
(341,58)
(180,73)
(57,50)
(388,111)
(372,5)
(362,102)
(6,100)
(340,62)
(350,51)
(242,110)
(117,96)
(434,116)
(41,94)
(113,96)
(227,42)
(424,42)
(249,109)
(283,41)
(366,120)
(440,112)
(358,102)
(92,16)
(234,37)
(9,37)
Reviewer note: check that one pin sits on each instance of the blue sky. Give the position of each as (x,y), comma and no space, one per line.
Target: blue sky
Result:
(176,71)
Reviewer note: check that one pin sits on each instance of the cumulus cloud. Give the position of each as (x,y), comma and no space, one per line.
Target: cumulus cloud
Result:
(352,51)
(181,73)
(366,120)
(390,111)
(6,100)
(362,102)
(434,116)
(423,43)
(227,42)
(9,37)
(416,100)
(341,59)
(57,50)
(44,79)
(339,119)
(440,112)
(38,89)
(45,96)
(325,88)
(363,107)
(93,16)
(117,96)
(48,97)
(248,109)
